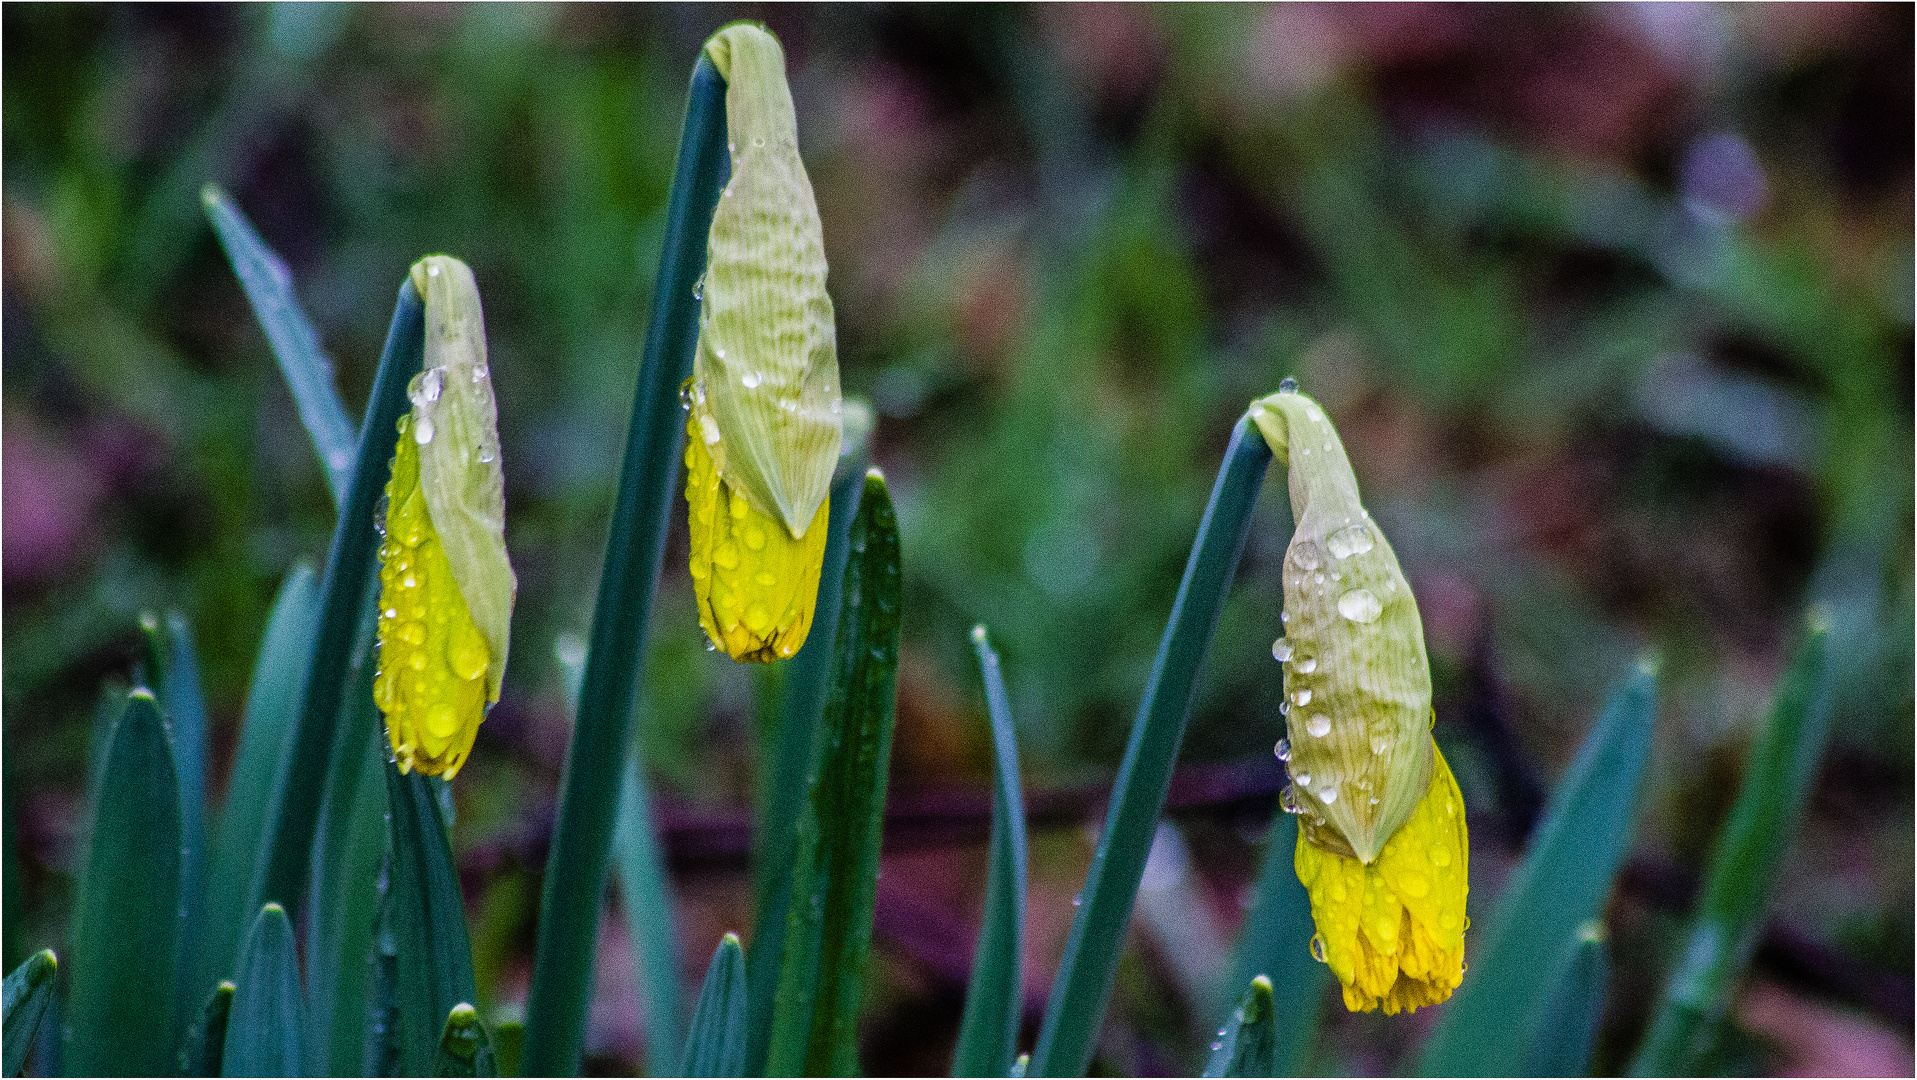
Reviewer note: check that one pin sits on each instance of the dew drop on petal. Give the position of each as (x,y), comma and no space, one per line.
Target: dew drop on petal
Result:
(749,380)
(1360,606)
(1318,947)
(1281,650)
(1319,726)
(709,429)
(423,433)
(1306,665)
(1303,778)
(1303,696)
(1305,555)
(1288,800)
(1349,541)
(1283,750)
(1329,795)
(1379,744)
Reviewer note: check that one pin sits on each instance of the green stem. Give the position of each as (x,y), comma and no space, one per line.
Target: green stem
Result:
(345,591)
(1084,983)
(582,837)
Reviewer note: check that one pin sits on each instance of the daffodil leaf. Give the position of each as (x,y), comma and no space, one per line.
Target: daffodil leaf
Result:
(434,956)
(268,1016)
(28,989)
(464,1048)
(717,1045)
(1248,1043)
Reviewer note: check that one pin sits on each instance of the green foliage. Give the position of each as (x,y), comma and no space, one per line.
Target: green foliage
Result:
(464,1049)
(434,965)
(266,1019)
(1567,1029)
(995,1000)
(1248,1043)
(1273,941)
(835,867)
(205,1050)
(717,1045)
(28,989)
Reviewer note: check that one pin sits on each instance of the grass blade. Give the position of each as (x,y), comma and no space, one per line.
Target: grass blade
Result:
(988,1030)
(205,1049)
(790,750)
(347,590)
(647,898)
(1566,877)
(1744,862)
(1274,941)
(1248,1043)
(127,930)
(1084,983)
(343,901)
(464,1049)
(434,956)
(835,873)
(575,880)
(717,1046)
(295,344)
(271,703)
(173,674)
(381,1051)
(268,1015)
(28,989)
(1568,1027)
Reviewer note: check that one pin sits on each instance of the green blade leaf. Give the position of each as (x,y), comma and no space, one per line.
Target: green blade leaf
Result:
(1565,879)
(268,1016)
(348,589)
(717,1045)
(127,930)
(1744,862)
(647,898)
(1567,1029)
(295,344)
(343,901)
(28,989)
(988,1030)
(271,703)
(381,1050)
(205,1049)
(835,874)
(173,674)
(508,1036)
(464,1049)
(1274,941)
(1084,983)
(790,748)
(434,955)
(1248,1043)
(575,881)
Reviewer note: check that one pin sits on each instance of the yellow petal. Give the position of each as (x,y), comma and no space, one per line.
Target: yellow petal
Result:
(756,584)
(1392,931)
(433,660)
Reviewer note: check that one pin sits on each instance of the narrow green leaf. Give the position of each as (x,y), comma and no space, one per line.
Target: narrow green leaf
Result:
(575,881)
(464,1049)
(508,1037)
(205,1049)
(173,674)
(835,873)
(268,1016)
(28,989)
(1275,941)
(295,344)
(1248,1043)
(1076,1009)
(1567,1029)
(789,748)
(717,1044)
(127,931)
(347,589)
(343,899)
(988,1030)
(1491,1023)
(381,1052)
(271,703)
(435,958)
(647,898)
(1744,862)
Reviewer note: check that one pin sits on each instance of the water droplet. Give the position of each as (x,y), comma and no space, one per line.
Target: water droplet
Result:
(1288,800)
(1288,385)
(720,353)
(1284,706)
(479,373)
(1281,650)
(1319,578)
(1360,606)
(1306,665)
(392,613)
(486,454)
(1304,554)
(1374,800)
(1303,696)
(1379,744)
(1440,856)
(410,581)
(1283,750)
(709,429)
(1318,947)
(1303,778)
(1329,794)
(749,380)
(1349,541)
(1327,448)
(1414,885)
(1075,900)
(1314,412)
(423,434)
(432,271)
(1284,616)
(429,383)
(1318,726)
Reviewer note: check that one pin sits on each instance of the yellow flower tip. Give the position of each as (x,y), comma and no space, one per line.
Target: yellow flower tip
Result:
(432,677)
(756,583)
(1392,930)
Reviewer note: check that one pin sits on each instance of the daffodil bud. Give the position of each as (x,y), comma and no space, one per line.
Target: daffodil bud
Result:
(1382,846)
(765,421)
(446,585)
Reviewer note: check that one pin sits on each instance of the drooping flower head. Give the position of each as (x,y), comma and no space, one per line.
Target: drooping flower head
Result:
(446,585)
(764,422)
(1382,848)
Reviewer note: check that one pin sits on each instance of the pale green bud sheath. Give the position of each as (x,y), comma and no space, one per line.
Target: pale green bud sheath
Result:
(1357,683)
(766,404)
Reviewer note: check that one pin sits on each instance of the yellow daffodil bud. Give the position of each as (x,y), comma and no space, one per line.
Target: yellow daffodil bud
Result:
(765,414)
(1382,848)
(446,586)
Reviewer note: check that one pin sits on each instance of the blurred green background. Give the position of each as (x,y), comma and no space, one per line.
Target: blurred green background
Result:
(1612,306)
